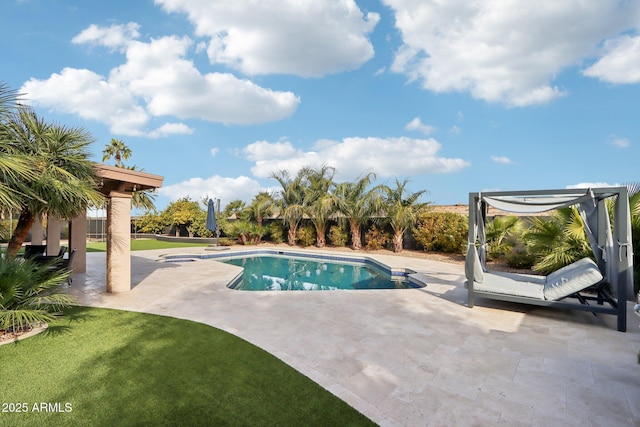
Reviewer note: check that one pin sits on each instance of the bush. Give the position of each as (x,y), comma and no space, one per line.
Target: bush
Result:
(376,238)
(441,231)
(338,236)
(276,232)
(306,235)
(520,258)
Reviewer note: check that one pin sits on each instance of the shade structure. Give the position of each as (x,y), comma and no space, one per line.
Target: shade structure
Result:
(211,216)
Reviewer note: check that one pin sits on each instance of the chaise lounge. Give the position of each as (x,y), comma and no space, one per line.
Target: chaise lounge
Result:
(607,280)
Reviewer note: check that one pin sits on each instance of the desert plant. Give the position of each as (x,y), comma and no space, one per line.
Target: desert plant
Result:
(246,232)
(376,238)
(401,208)
(338,236)
(306,235)
(503,233)
(358,203)
(276,232)
(29,294)
(441,231)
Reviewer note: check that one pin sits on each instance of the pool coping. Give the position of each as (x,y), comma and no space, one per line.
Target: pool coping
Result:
(395,272)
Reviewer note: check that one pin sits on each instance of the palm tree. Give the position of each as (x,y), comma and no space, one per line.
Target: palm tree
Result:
(501,233)
(13,165)
(291,201)
(357,204)
(117,149)
(28,294)
(401,210)
(557,241)
(319,203)
(64,184)
(261,206)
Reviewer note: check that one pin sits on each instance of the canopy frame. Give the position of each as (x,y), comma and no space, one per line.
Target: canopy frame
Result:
(613,252)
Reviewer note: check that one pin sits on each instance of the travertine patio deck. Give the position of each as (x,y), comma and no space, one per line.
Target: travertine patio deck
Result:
(412,357)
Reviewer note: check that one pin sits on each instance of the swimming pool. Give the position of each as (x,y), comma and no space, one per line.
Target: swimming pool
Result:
(278,273)
(307,270)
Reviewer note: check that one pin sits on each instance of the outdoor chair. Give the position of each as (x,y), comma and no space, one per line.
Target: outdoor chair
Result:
(33,251)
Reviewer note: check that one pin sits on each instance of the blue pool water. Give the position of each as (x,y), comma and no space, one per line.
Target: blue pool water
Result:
(272,273)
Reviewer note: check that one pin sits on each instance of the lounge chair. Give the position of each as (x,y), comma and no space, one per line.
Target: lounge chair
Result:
(582,280)
(608,279)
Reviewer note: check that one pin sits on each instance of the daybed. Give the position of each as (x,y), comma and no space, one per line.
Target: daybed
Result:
(607,280)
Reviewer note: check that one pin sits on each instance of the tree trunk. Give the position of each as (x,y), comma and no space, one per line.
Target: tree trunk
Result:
(292,235)
(356,236)
(397,241)
(177,230)
(20,233)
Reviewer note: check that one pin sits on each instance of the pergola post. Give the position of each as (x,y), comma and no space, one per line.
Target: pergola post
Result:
(78,241)
(37,232)
(54,226)
(118,242)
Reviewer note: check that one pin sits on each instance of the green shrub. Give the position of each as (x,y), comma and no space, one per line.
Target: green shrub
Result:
(306,235)
(441,231)
(376,238)
(338,236)
(276,232)
(520,258)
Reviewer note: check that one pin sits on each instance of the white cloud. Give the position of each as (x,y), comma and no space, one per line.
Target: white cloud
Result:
(591,185)
(502,51)
(223,188)
(113,37)
(169,129)
(502,160)
(416,124)
(456,130)
(620,62)
(157,80)
(305,38)
(620,142)
(352,157)
(214,151)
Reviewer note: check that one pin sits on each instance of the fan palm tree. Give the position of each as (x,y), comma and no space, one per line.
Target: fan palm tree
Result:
(117,149)
(401,208)
(319,202)
(557,241)
(291,202)
(358,203)
(28,294)
(64,184)
(13,165)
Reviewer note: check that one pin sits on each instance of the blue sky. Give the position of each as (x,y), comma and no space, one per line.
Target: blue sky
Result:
(456,96)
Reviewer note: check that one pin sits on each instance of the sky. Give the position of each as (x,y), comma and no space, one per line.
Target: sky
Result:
(455,96)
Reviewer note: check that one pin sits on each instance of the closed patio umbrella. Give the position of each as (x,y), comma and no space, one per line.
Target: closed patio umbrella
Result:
(211,217)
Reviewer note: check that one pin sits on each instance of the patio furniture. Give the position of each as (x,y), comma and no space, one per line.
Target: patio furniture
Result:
(32,251)
(608,279)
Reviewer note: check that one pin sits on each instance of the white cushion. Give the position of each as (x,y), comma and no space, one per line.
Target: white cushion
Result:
(512,284)
(571,279)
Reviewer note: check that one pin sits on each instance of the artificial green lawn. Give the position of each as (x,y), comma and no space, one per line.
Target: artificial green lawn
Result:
(143,245)
(114,367)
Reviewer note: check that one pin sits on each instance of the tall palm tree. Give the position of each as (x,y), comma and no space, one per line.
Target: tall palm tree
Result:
(358,203)
(319,202)
(291,201)
(401,208)
(117,149)
(65,181)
